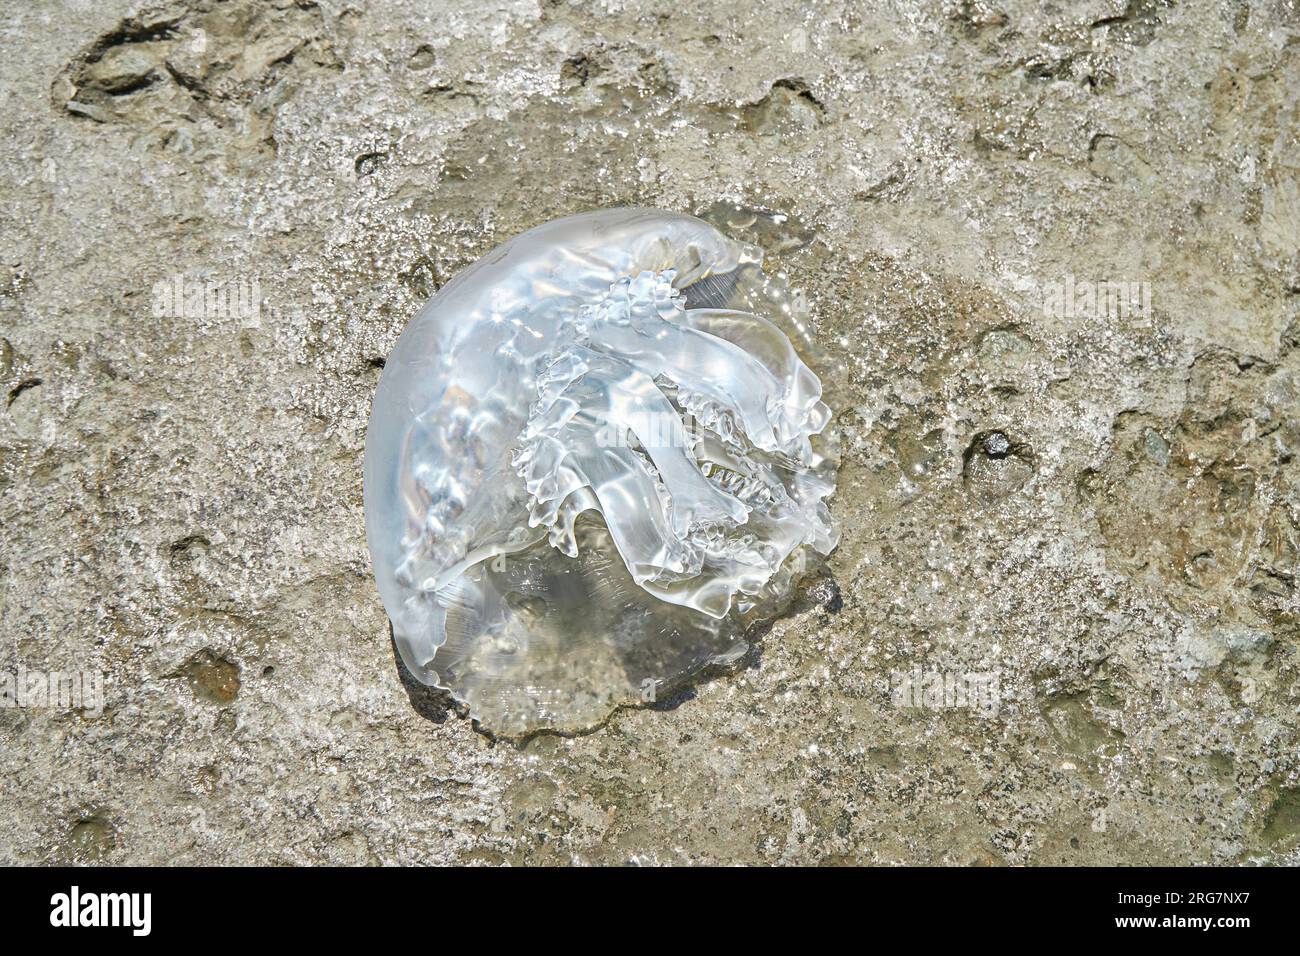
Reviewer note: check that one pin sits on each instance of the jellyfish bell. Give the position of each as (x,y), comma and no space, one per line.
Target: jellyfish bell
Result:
(595,458)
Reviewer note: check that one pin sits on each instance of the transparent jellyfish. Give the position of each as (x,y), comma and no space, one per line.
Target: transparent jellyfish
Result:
(596,457)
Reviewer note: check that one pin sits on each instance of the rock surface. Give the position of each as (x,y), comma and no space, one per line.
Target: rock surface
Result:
(1062,625)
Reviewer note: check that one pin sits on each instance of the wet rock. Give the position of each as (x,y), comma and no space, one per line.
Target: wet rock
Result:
(91,111)
(189,64)
(257,58)
(826,593)
(1282,825)
(26,406)
(775,232)
(1080,729)
(1112,159)
(422,58)
(1182,501)
(368,163)
(789,110)
(975,16)
(212,679)
(1156,448)
(122,70)
(922,457)
(1004,352)
(1136,24)
(90,840)
(996,465)
(1208,647)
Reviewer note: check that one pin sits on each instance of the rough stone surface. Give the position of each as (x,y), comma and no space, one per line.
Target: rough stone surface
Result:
(1100,510)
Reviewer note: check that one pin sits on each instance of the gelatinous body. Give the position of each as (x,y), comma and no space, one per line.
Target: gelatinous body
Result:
(595,456)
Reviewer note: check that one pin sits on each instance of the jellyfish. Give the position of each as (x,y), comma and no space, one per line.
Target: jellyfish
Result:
(596,459)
